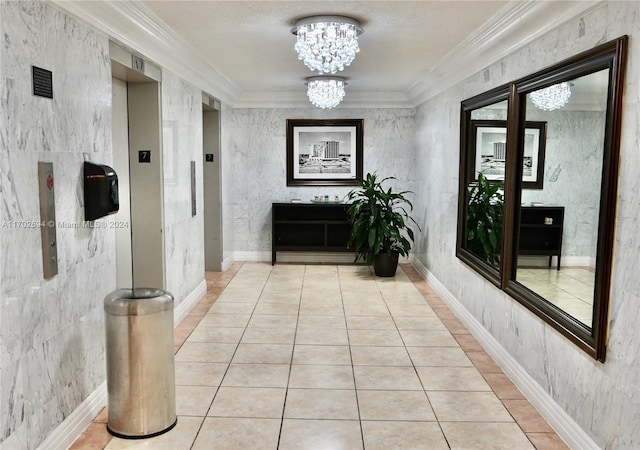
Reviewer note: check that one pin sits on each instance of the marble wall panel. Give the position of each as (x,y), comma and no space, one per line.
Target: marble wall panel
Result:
(51,331)
(182,143)
(602,398)
(254,164)
(226,190)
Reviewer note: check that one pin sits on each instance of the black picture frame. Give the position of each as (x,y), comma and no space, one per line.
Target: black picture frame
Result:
(324,152)
(486,132)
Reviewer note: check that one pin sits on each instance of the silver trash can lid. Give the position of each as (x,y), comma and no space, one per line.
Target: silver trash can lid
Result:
(138,301)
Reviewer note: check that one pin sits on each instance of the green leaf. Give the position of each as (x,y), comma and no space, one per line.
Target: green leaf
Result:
(379,218)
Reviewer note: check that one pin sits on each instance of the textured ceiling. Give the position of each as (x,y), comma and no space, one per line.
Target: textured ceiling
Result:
(250,44)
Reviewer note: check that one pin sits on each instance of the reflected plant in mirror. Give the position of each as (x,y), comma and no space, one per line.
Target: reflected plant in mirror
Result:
(549,144)
(484,219)
(481,190)
(576,126)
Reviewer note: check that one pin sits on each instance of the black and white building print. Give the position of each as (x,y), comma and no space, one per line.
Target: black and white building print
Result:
(325,152)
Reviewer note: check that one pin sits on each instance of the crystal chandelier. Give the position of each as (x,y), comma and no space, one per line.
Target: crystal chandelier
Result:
(327,43)
(552,97)
(325,92)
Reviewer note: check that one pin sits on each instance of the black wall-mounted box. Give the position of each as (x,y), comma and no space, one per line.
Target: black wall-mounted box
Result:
(100,191)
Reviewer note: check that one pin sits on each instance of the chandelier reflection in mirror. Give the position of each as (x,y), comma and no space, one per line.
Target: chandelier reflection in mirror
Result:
(552,97)
(327,43)
(325,92)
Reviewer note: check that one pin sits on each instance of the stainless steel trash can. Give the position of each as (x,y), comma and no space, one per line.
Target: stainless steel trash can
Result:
(140,362)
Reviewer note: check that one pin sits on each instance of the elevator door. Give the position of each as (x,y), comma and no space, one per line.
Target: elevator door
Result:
(212,196)
(137,159)
(120,135)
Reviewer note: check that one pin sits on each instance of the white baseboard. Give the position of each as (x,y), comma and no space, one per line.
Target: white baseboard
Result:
(226,263)
(74,425)
(562,423)
(303,257)
(297,257)
(189,302)
(567,261)
(256,256)
(315,257)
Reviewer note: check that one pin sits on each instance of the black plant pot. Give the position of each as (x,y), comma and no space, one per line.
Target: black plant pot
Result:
(385,265)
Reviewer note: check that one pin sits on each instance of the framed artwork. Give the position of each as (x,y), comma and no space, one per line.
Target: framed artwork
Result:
(489,148)
(324,152)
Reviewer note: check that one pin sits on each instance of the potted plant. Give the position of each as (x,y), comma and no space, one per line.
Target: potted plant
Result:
(379,224)
(484,219)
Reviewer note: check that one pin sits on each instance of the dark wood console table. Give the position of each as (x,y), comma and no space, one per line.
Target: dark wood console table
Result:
(541,231)
(309,227)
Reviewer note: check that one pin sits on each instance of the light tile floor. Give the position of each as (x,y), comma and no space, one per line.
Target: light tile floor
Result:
(570,288)
(309,357)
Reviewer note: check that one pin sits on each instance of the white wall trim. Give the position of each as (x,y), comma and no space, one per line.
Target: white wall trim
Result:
(298,257)
(566,261)
(562,423)
(256,256)
(189,302)
(303,257)
(136,27)
(77,422)
(315,257)
(298,99)
(226,263)
(514,26)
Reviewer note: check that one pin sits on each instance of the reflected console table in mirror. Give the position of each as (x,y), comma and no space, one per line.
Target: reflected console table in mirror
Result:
(570,159)
(541,232)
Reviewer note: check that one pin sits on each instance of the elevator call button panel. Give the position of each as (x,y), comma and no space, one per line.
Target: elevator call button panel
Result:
(46,187)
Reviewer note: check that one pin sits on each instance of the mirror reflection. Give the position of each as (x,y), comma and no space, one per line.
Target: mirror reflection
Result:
(559,222)
(485,184)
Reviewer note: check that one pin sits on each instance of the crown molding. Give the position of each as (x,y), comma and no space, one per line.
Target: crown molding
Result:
(298,99)
(514,26)
(139,29)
